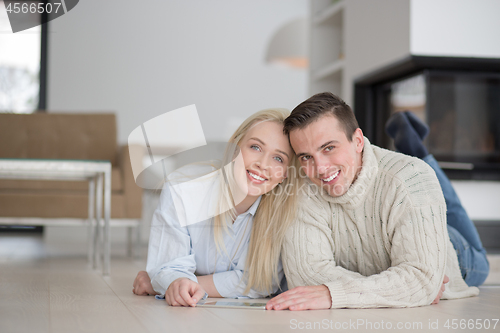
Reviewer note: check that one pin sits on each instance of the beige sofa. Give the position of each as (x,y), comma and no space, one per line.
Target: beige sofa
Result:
(46,135)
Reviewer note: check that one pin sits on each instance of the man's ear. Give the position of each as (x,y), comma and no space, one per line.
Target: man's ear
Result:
(359,140)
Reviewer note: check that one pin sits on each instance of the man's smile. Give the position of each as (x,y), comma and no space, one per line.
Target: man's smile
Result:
(331,178)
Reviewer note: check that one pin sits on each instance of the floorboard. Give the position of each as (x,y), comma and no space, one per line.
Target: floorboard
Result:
(43,291)
(24,301)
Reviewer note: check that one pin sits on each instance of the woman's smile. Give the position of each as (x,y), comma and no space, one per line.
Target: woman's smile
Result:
(255,178)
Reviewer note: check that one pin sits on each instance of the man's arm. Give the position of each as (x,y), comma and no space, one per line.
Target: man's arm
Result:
(417,252)
(316,297)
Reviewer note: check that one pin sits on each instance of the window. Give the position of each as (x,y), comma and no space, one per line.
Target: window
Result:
(22,67)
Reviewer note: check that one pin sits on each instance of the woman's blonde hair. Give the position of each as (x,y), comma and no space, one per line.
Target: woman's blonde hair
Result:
(274,215)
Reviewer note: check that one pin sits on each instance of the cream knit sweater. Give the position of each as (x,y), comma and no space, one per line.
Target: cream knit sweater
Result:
(384,243)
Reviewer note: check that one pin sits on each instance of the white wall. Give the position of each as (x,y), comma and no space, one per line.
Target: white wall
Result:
(381,32)
(376,35)
(461,28)
(142,59)
(480,198)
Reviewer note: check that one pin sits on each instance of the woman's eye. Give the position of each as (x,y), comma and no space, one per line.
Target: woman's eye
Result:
(279,159)
(255,147)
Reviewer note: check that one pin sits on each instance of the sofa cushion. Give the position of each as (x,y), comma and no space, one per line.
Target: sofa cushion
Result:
(58,136)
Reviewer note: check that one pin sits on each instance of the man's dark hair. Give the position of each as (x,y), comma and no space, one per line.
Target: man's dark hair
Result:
(317,106)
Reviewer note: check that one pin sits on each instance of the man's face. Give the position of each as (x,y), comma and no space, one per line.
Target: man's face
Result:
(328,158)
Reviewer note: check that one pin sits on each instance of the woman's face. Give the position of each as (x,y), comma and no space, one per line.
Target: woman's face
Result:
(266,154)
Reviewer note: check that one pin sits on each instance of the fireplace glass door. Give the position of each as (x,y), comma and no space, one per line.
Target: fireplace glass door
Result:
(462,110)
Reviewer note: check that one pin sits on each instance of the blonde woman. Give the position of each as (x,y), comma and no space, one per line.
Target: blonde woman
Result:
(236,253)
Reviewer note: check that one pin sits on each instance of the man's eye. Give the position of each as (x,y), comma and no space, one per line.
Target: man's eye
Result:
(305,158)
(329,148)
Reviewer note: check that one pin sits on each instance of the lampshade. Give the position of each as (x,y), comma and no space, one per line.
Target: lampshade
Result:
(289,45)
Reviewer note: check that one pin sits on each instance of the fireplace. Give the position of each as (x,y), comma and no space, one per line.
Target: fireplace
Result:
(459,98)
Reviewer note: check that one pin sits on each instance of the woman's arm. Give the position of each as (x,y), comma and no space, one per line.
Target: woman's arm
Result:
(142,285)
(232,283)
(207,283)
(170,254)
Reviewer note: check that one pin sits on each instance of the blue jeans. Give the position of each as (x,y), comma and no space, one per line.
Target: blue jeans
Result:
(463,234)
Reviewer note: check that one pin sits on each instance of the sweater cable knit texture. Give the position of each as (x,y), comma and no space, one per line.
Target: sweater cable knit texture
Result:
(384,243)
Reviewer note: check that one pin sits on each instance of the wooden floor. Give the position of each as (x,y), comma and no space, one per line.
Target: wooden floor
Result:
(44,290)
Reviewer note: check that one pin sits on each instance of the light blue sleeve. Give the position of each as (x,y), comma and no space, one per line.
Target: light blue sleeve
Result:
(170,255)
(231,284)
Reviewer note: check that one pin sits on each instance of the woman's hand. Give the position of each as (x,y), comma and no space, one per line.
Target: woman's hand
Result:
(184,292)
(142,285)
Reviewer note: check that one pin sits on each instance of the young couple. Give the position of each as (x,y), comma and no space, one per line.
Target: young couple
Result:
(369,228)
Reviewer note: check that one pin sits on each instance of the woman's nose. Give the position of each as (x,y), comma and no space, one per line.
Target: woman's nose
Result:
(262,163)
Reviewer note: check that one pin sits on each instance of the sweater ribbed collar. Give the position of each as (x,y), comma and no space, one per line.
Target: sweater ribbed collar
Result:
(357,192)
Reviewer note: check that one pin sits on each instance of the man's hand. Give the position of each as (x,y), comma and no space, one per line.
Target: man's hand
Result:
(440,293)
(142,285)
(184,292)
(302,298)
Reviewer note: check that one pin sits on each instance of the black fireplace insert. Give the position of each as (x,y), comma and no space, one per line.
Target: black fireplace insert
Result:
(459,98)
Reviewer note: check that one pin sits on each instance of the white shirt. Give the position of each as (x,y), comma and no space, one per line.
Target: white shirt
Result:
(177,251)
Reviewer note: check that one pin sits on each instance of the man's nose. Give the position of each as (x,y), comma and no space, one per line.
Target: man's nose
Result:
(322,165)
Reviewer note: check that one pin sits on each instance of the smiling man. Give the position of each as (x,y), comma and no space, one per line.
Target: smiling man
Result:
(371,228)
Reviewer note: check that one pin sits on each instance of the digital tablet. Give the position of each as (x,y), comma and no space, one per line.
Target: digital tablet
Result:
(233,305)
